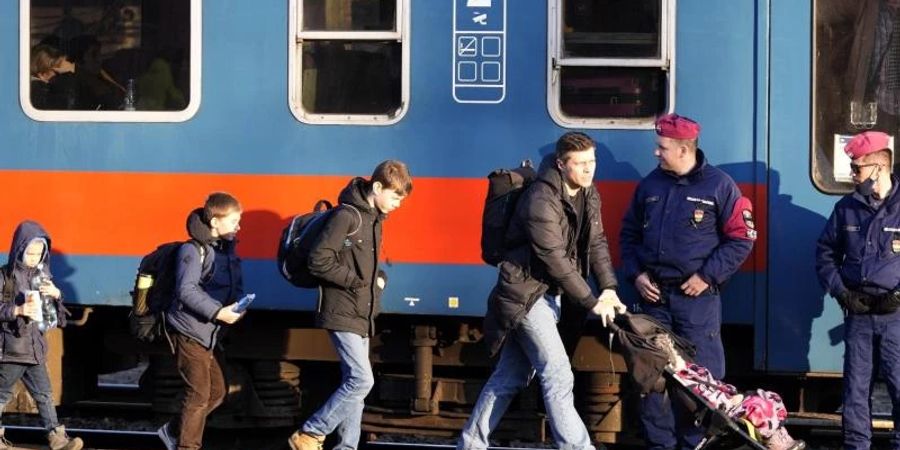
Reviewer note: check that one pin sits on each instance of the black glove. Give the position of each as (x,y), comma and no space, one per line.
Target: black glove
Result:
(852,302)
(888,303)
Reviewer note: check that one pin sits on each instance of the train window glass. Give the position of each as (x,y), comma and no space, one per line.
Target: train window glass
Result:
(615,92)
(346,15)
(349,61)
(110,60)
(351,77)
(856,82)
(610,62)
(618,28)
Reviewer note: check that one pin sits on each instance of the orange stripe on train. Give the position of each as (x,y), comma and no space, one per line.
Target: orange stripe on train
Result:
(128,213)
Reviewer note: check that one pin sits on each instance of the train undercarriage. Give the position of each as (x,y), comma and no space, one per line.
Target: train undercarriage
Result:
(429,372)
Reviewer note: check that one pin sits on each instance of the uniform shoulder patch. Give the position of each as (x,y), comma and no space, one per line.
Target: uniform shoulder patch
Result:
(741,224)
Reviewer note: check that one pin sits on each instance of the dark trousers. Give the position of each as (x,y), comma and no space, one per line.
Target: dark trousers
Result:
(667,425)
(870,342)
(204,389)
(37,381)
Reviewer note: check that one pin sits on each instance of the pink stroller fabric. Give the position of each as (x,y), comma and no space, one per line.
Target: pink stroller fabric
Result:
(764,409)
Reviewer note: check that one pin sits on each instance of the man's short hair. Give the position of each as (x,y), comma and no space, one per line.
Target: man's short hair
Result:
(883,156)
(691,144)
(220,204)
(573,141)
(393,174)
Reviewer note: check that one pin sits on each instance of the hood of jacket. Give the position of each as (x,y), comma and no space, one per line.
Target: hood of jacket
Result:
(355,194)
(25,233)
(198,228)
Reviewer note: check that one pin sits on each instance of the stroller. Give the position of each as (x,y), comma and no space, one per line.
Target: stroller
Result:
(658,359)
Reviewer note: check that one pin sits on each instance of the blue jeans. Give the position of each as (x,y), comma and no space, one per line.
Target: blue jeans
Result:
(697,319)
(37,381)
(867,337)
(343,410)
(534,348)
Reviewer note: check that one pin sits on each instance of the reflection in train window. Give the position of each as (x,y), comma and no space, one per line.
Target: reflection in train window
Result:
(610,63)
(856,82)
(110,60)
(359,15)
(349,61)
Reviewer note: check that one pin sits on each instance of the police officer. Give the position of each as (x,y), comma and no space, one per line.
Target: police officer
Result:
(688,229)
(858,263)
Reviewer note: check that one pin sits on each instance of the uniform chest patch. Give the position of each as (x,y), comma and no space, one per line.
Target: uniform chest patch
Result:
(698,215)
(895,245)
(851,227)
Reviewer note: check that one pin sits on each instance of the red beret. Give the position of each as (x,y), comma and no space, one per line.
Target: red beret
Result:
(866,142)
(677,127)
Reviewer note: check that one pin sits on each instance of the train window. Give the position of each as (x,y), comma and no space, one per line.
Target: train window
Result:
(856,82)
(110,60)
(610,62)
(349,61)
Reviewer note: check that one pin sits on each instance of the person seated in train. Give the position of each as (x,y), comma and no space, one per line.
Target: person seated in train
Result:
(208,282)
(30,304)
(97,89)
(687,230)
(49,68)
(555,239)
(345,258)
(857,263)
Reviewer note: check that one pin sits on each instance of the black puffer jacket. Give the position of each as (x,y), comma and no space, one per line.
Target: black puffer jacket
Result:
(345,257)
(544,253)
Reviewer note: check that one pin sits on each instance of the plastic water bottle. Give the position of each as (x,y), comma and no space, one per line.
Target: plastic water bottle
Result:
(35,295)
(48,308)
(128,104)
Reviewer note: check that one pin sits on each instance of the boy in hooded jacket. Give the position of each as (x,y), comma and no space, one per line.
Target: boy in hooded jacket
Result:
(345,258)
(23,345)
(208,281)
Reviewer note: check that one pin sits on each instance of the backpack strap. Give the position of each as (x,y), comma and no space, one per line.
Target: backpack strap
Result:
(206,264)
(358,216)
(8,293)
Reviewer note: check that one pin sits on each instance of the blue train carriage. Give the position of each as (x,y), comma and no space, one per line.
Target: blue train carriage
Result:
(280,103)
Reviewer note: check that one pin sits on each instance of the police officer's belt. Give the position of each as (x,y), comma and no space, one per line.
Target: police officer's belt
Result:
(880,304)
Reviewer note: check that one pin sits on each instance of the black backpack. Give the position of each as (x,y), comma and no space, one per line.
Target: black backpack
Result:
(297,240)
(505,186)
(149,304)
(8,293)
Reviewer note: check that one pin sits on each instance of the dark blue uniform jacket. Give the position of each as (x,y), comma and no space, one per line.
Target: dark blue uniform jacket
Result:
(859,249)
(677,226)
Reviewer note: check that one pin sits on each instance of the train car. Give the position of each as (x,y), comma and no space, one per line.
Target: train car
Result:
(280,103)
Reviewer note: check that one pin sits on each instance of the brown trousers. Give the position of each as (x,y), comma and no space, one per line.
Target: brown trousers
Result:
(204,389)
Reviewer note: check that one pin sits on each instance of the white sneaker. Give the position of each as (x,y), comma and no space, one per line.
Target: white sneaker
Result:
(167,439)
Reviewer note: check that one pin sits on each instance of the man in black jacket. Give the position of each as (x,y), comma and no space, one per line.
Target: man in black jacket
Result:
(345,258)
(556,241)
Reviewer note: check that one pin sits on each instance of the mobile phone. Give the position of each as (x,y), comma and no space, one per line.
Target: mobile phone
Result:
(242,304)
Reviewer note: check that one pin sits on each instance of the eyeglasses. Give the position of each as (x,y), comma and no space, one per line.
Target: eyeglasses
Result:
(857,168)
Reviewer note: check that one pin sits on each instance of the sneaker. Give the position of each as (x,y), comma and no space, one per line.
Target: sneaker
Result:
(59,440)
(302,441)
(4,444)
(166,437)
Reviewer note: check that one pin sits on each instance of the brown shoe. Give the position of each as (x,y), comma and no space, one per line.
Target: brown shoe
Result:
(302,441)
